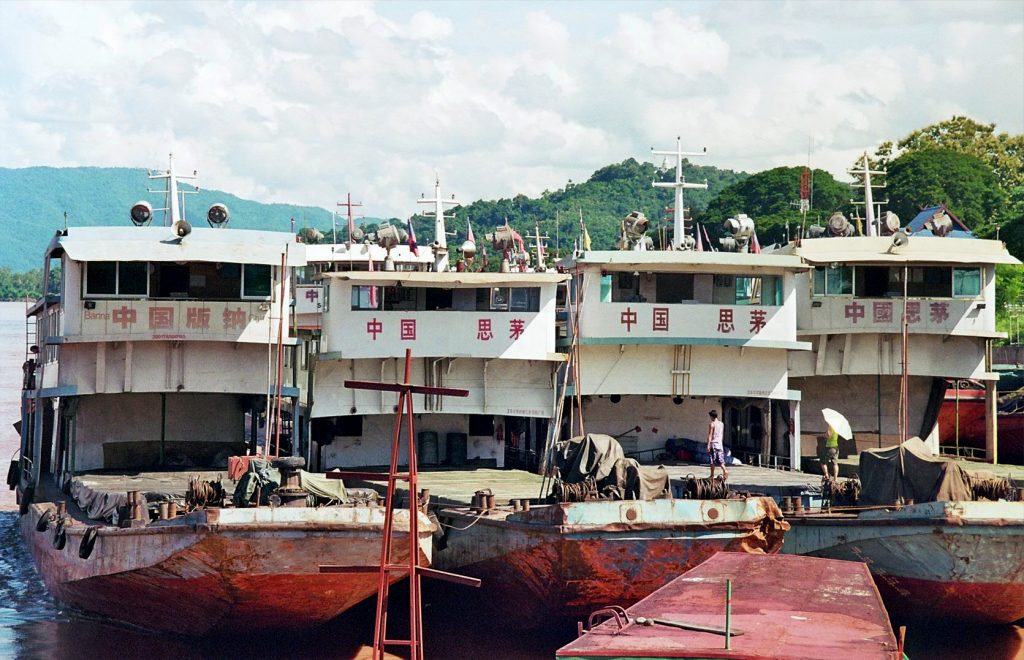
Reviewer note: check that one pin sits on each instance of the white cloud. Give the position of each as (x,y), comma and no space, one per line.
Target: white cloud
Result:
(302,102)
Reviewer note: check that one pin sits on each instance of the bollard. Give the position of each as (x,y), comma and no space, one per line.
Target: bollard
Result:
(476,505)
(1020,494)
(172,509)
(490,502)
(62,509)
(526,505)
(517,505)
(165,509)
(799,501)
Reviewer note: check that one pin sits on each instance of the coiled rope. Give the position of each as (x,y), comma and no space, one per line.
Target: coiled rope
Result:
(576,492)
(706,488)
(202,493)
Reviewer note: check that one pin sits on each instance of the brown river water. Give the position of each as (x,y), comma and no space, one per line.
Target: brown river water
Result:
(33,625)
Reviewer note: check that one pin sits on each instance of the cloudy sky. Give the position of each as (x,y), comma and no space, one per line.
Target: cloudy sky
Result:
(303,102)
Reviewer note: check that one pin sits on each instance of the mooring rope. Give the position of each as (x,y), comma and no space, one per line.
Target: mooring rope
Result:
(202,493)
(998,488)
(706,488)
(575,492)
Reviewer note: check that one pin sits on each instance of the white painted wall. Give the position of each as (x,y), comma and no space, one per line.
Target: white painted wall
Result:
(136,417)
(930,355)
(856,397)
(658,418)
(373,447)
(715,370)
(164,366)
(523,388)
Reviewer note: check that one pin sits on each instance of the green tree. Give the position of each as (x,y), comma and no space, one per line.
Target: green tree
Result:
(768,198)
(964,183)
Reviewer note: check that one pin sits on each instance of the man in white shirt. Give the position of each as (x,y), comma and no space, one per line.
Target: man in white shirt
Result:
(715,448)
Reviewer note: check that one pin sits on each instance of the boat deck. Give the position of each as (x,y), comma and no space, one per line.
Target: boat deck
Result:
(456,487)
(783,606)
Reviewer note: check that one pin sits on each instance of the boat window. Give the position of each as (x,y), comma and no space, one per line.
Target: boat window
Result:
(256,281)
(366,297)
(833,281)
(435,299)
(673,287)
(967,282)
(873,282)
(758,290)
(508,299)
(922,282)
(101,278)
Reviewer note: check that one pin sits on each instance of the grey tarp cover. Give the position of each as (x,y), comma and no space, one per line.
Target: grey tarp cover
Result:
(601,457)
(893,475)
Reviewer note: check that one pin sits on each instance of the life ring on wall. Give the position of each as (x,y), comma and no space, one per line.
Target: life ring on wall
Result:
(88,542)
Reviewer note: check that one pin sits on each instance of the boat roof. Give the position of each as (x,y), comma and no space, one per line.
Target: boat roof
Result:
(787,606)
(919,249)
(686,261)
(363,252)
(447,279)
(916,226)
(160,244)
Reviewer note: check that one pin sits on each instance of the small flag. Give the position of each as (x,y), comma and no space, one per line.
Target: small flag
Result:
(412,239)
(470,236)
(584,234)
(351,225)
(708,238)
(755,246)
(700,243)
(373,289)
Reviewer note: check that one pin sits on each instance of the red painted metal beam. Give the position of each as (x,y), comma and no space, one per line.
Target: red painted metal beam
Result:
(404,387)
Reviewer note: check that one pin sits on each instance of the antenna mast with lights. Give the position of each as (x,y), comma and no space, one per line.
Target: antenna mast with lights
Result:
(171,192)
(863,173)
(440,245)
(680,239)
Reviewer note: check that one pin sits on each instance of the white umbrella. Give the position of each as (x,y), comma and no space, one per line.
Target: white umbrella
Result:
(837,422)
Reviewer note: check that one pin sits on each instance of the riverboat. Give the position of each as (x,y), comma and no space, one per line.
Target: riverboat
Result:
(153,366)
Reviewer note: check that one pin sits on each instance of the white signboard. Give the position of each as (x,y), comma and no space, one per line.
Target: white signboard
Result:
(372,333)
(937,316)
(643,322)
(178,320)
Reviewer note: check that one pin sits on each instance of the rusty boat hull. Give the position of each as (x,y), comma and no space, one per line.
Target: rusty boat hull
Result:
(783,606)
(958,561)
(561,561)
(222,571)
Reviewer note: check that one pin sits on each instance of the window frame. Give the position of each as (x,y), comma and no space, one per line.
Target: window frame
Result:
(981,282)
(270,293)
(117,282)
(824,270)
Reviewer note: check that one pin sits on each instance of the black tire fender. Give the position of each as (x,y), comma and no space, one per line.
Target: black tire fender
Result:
(60,537)
(44,520)
(26,499)
(88,542)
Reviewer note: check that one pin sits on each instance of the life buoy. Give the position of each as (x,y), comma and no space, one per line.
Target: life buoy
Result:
(88,542)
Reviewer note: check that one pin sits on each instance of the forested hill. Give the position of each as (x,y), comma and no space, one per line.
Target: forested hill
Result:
(605,198)
(33,201)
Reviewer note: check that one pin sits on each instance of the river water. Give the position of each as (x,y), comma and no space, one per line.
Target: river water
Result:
(32,625)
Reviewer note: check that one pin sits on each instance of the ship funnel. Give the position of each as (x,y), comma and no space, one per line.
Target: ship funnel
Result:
(141,213)
(217,215)
(182,228)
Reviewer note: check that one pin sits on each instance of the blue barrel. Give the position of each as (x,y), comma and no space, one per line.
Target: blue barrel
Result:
(456,446)
(426,448)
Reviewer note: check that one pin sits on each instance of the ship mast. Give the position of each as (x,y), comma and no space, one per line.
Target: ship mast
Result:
(865,172)
(679,238)
(173,205)
(440,245)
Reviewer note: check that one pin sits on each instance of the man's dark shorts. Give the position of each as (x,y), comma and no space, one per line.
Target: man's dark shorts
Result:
(717,457)
(830,456)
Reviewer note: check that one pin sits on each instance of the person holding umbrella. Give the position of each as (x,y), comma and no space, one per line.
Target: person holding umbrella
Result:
(837,426)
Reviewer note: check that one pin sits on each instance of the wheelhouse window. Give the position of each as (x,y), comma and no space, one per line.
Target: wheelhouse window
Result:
(759,291)
(508,299)
(833,281)
(673,288)
(117,278)
(256,281)
(966,282)
(366,297)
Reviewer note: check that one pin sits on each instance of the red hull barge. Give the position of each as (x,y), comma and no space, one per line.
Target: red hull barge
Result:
(221,570)
(562,561)
(960,561)
(782,607)
(964,409)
